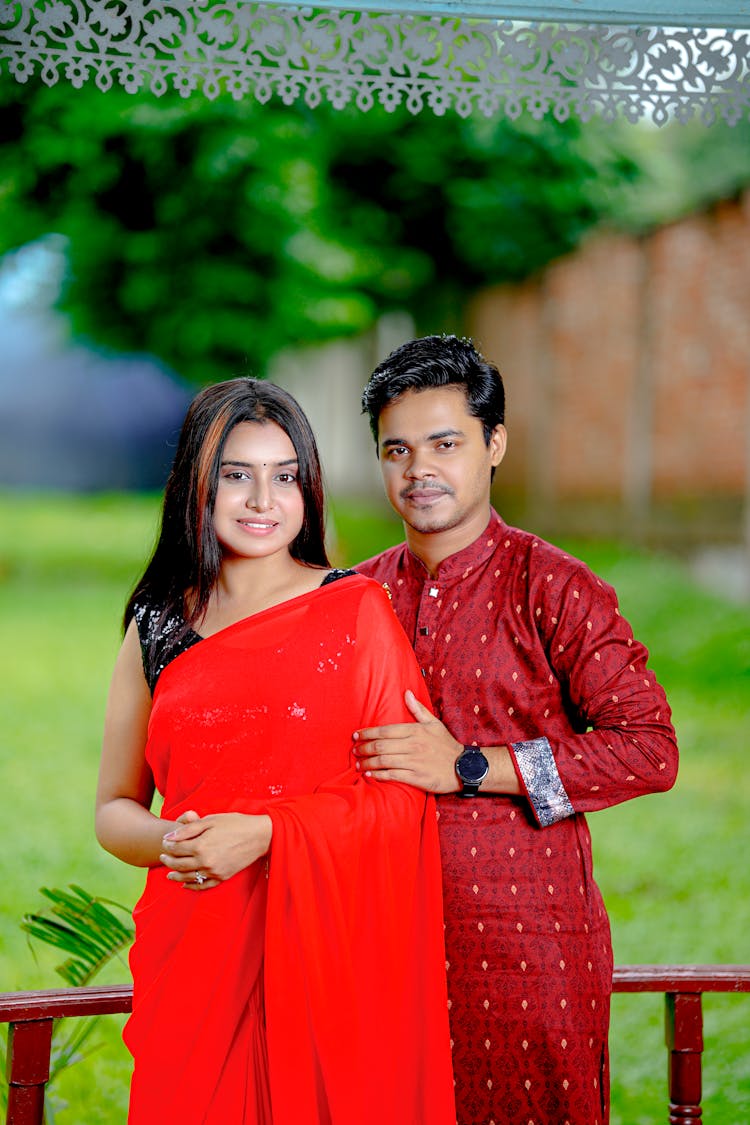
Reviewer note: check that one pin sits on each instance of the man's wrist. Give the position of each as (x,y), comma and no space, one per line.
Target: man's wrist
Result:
(502,777)
(472,768)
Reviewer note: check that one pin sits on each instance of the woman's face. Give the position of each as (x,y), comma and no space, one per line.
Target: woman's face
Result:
(259,510)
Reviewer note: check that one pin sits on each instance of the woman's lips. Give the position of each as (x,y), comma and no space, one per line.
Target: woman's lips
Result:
(258,525)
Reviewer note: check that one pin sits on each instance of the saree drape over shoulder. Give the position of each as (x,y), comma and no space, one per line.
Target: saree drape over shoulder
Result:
(309,988)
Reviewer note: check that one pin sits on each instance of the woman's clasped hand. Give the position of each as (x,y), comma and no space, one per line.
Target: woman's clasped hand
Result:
(205,851)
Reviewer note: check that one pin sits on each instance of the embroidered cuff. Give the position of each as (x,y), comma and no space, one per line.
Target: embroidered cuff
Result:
(538,770)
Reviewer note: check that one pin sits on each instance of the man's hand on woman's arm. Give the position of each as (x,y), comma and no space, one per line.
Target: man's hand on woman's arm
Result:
(424,754)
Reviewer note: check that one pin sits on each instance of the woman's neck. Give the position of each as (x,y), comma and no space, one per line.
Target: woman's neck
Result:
(248,586)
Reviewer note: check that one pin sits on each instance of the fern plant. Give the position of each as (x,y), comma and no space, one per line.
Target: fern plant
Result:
(85,928)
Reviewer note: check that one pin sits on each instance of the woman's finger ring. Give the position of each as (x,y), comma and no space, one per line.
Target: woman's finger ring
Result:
(200,878)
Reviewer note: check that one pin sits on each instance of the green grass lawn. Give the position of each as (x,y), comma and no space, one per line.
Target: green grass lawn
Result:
(673,867)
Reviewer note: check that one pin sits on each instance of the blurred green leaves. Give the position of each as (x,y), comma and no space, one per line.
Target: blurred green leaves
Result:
(212,234)
(83,926)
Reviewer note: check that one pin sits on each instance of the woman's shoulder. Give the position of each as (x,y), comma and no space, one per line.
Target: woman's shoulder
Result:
(335,574)
(356,584)
(146,614)
(154,619)
(163,634)
(357,592)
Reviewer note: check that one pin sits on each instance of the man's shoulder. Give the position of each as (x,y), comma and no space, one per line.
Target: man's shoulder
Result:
(520,541)
(538,556)
(383,564)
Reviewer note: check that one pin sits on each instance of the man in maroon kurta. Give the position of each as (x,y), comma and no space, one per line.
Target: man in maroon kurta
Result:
(526,656)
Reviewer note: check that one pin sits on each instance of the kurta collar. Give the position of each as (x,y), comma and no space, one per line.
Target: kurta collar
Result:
(469,559)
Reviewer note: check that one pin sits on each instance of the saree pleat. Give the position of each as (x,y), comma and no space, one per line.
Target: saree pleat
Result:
(309,989)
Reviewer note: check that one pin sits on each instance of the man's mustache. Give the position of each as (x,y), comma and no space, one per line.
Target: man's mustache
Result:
(432,486)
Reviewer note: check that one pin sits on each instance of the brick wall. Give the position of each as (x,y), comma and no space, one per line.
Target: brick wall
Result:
(627,368)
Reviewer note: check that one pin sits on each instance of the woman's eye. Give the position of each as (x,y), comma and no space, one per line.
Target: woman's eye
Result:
(286,478)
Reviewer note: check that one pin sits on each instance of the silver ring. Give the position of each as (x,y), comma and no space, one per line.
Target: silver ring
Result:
(200,878)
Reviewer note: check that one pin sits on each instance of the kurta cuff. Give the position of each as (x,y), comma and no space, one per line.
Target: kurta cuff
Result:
(538,770)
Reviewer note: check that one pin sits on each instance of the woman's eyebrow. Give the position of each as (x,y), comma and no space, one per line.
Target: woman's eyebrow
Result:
(253,464)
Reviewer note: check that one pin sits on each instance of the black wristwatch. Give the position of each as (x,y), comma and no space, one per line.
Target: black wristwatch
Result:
(472,767)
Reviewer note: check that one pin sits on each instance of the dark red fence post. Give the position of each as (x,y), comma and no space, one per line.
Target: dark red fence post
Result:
(28,1070)
(30,1017)
(684,1037)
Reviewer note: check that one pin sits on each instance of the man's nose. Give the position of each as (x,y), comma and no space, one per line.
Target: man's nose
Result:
(420,465)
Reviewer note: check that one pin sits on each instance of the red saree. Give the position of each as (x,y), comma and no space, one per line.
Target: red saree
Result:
(309,989)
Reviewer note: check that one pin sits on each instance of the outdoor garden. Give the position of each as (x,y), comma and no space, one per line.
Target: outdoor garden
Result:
(672,867)
(209,235)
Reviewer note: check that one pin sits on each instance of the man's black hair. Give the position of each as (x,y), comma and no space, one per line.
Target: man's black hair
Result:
(437,361)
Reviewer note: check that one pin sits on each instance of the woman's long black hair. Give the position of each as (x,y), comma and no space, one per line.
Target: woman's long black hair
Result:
(186,561)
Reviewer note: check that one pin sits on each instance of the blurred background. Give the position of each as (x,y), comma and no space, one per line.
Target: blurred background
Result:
(150,246)
(154,245)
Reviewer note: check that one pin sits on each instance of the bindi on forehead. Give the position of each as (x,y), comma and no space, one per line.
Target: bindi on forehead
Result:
(263,464)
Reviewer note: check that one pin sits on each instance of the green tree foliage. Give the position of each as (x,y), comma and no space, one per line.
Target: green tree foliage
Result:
(212,234)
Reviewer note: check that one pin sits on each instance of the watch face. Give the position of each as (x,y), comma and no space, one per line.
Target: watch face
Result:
(472,766)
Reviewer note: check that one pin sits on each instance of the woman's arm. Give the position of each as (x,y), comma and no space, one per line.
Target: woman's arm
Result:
(218,845)
(124,825)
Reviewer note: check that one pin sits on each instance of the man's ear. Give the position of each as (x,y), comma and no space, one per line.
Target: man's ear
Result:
(498,444)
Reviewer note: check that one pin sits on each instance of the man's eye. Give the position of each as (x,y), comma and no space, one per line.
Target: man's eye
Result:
(447,445)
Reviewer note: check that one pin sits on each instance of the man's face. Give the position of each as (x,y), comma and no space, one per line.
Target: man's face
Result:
(435,463)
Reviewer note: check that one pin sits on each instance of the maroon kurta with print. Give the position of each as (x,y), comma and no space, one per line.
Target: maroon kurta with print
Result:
(521,645)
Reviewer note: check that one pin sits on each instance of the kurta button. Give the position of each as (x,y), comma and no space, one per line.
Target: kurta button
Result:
(424,631)
(423,671)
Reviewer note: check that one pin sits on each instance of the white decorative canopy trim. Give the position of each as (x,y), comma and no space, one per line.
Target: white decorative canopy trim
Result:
(629,13)
(434,62)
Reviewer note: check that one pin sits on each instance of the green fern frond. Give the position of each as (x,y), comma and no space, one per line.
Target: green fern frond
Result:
(83,926)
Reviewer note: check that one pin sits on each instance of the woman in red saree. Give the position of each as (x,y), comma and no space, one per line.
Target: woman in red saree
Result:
(288,964)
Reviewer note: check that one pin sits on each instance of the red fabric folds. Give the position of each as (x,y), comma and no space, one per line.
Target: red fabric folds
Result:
(310,988)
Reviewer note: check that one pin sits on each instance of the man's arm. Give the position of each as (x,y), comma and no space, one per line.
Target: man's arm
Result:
(424,754)
(629,746)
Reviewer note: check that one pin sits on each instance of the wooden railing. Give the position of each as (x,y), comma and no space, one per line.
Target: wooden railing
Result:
(31,1015)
